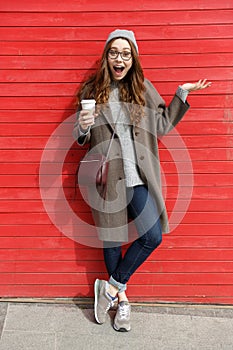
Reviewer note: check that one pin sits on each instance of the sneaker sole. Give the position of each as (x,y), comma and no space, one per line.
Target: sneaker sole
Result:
(121,329)
(96,293)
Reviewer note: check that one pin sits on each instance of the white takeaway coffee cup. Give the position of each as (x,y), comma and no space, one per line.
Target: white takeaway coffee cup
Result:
(88,105)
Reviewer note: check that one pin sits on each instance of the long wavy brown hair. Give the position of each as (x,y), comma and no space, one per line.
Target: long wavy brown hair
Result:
(131,87)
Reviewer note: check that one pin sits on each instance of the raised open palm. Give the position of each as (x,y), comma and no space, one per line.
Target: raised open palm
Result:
(200,85)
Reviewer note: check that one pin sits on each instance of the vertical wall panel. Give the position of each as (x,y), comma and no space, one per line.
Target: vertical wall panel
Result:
(47,49)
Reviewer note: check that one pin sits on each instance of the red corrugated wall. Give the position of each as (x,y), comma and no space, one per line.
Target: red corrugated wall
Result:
(47,48)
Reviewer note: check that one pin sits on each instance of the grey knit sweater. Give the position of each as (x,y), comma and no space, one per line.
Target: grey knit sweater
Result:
(124,132)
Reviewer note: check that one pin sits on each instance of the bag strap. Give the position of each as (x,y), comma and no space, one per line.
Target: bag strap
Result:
(110,143)
(113,135)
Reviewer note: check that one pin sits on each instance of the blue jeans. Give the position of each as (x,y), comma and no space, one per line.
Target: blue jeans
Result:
(142,209)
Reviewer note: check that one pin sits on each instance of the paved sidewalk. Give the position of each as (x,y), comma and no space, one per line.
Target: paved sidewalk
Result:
(46,326)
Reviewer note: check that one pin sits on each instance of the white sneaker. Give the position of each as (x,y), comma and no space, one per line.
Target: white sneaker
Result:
(122,318)
(103,301)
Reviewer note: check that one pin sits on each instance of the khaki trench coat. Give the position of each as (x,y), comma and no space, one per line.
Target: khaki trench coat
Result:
(110,215)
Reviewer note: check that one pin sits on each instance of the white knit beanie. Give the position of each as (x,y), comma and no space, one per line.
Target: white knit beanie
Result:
(122,33)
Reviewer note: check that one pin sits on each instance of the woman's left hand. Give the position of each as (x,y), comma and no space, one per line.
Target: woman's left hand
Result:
(200,85)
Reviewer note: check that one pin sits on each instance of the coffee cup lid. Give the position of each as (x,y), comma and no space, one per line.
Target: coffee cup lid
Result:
(88,101)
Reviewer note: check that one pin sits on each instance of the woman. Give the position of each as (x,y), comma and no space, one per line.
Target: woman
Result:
(129,106)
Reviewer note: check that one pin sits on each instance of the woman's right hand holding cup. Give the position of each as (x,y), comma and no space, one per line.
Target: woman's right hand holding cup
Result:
(87,114)
(86,119)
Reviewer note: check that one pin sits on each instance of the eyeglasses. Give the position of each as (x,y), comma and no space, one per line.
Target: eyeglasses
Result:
(125,55)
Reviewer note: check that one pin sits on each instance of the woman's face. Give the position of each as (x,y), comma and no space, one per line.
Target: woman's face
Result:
(119,58)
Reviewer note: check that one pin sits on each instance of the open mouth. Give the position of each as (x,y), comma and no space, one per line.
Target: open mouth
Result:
(118,69)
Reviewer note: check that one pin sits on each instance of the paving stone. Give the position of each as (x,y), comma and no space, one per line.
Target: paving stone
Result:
(15,340)
(68,327)
(41,317)
(204,311)
(112,340)
(3,312)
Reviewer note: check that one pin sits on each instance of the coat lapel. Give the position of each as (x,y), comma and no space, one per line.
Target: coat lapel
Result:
(107,116)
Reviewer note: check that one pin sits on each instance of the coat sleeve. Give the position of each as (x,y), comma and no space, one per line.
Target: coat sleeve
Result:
(80,137)
(167,117)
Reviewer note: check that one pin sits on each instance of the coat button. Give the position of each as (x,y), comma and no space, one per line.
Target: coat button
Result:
(142,157)
(136,133)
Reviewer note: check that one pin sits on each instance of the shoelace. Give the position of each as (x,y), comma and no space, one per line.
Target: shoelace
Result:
(124,311)
(110,304)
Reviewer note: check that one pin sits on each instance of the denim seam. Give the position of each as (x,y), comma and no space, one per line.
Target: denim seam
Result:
(141,248)
(138,215)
